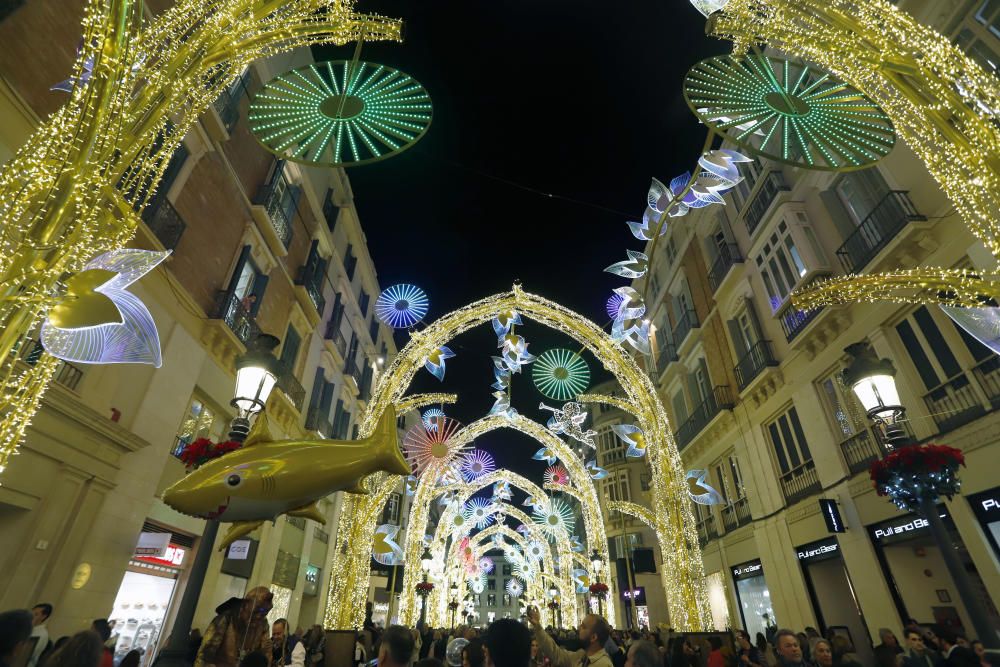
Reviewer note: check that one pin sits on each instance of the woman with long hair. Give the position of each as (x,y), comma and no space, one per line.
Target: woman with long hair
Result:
(84,649)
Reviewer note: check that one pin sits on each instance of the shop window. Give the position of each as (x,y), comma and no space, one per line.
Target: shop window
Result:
(201,420)
(753,598)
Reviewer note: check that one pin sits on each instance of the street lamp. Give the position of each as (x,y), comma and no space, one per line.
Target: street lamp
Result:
(597,564)
(873,382)
(255,379)
(426,559)
(454,600)
(554,594)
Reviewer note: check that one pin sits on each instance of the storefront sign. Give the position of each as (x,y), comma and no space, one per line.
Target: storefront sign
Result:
(152,544)
(747,570)
(638,594)
(820,550)
(986,507)
(831,514)
(239,550)
(904,527)
(173,557)
(890,529)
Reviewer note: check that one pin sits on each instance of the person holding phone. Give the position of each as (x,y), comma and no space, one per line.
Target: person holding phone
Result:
(593,633)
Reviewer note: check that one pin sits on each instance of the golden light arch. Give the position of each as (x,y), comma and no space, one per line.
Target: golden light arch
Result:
(682,573)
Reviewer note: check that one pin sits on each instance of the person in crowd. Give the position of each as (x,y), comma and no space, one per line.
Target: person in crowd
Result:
(715,657)
(360,654)
(131,659)
(822,652)
(84,649)
(428,662)
(932,641)
(396,648)
(39,618)
(507,643)
(788,649)
(593,634)
(747,655)
(681,652)
(194,643)
(472,654)
(917,654)
(953,654)
(254,659)
(886,652)
(643,653)
(103,629)
(979,649)
(240,627)
(804,645)
(15,636)
(286,649)
(315,641)
(842,656)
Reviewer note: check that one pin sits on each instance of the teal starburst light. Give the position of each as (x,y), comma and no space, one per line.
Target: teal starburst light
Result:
(340,113)
(560,374)
(789,112)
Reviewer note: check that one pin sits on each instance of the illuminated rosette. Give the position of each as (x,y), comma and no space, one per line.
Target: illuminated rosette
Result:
(479,512)
(425,448)
(486,565)
(524,570)
(556,475)
(476,464)
(459,524)
(555,517)
(477,583)
(401,306)
(535,550)
(515,588)
(385,550)
(614,304)
(560,374)
(429,417)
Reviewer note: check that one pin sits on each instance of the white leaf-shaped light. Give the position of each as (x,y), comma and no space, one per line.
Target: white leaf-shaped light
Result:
(633,267)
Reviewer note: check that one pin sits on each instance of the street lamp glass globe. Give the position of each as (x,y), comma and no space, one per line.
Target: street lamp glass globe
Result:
(553,591)
(425,561)
(876,392)
(256,375)
(596,562)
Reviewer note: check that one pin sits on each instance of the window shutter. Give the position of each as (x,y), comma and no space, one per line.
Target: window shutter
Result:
(838,213)
(754,322)
(240,263)
(259,287)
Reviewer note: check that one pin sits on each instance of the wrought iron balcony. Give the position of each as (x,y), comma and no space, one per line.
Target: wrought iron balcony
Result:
(319,420)
(66,373)
(954,403)
(707,530)
(773,183)
(887,219)
(165,222)
(800,482)
(291,387)
(717,401)
(665,353)
(330,211)
(757,358)
(312,282)
(278,199)
(860,450)
(729,256)
(736,514)
(227,104)
(793,320)
(333,334)
(988,375)
(230,309)
(687,322)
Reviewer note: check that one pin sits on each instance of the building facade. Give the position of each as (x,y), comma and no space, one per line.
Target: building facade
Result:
(258,245)
(753,391)
(495,602)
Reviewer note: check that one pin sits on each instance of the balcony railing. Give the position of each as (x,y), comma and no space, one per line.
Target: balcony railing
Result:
(277,198)
(754,362)
(718,400)
(774,182)
(331,212)
(166,223)
(729,256)
(333,333)
(312,282)
(988,375)
(321,535)
(665,353)
(687,322)
(860,450)
(793,320)
(227,105)
(319,420)
(800,482)
(707,530)
(736,514)
(889,216)
(954,403)
(66,373)
(291,387)
(230,309)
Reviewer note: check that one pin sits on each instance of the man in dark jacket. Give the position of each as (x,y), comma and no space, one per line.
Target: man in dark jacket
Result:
(955,655)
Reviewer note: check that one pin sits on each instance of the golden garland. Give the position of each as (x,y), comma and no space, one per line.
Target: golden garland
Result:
(950,287)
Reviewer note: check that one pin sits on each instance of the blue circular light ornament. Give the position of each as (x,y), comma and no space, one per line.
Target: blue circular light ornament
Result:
(429,418)
(401,306)
(613,305)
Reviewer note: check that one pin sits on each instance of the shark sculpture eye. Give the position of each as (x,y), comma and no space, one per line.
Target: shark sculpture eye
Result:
(234,480)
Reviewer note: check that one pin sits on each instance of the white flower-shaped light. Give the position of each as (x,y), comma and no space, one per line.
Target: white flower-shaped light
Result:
(555,517)
(514,587)
(479,512)
(99,321)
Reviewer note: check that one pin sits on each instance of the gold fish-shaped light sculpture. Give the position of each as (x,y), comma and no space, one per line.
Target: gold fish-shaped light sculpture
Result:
(266,478)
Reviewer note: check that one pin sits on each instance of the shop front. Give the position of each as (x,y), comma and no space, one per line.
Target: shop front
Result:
(833,596)
(986,507)
(142,606)
(753,598)
(921,586)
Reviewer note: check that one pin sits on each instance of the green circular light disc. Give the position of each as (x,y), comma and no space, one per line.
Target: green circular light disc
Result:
(340,113)
(789,112)
(560,374)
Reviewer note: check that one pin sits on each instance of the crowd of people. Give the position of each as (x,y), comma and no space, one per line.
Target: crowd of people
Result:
(241,636)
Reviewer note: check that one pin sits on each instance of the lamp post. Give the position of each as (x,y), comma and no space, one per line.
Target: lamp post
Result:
(873,382)
(597,564)
(454,605)
(256,375)
(554,594)
(425,566)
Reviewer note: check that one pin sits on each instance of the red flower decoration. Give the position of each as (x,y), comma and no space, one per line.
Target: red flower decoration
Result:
(202,450)
(453,605)
(553,605)
(909,475)
(599,590)
(424,588)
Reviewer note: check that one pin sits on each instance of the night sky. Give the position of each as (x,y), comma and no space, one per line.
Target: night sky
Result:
(578,100)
